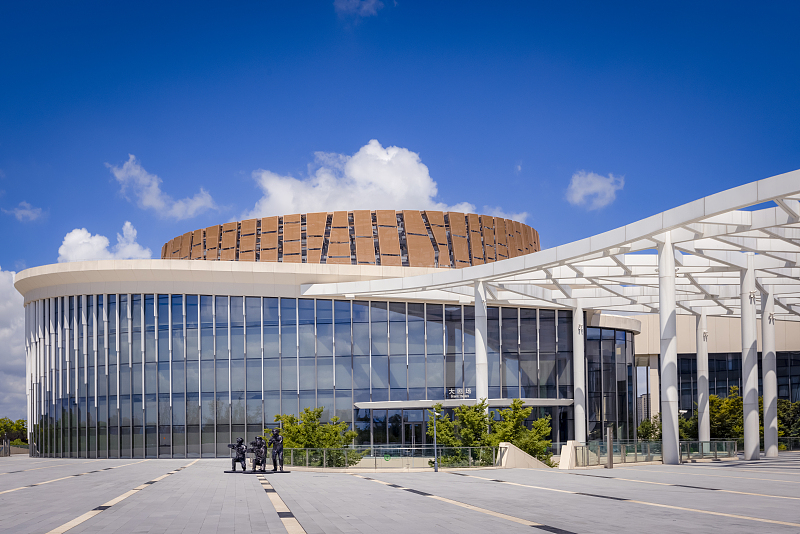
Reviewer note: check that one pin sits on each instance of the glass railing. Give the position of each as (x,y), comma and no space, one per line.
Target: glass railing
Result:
(622,452)
(390,457)
(625,452)
(789,444)
(703,450)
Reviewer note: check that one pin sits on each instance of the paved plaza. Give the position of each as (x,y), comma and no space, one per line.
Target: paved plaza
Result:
(153,496)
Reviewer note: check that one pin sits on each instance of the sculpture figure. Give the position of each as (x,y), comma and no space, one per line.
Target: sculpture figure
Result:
(239,450)
(259,447)
(276,440)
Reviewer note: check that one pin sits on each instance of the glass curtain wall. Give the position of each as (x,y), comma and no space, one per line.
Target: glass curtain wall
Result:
(725,372)
(179,376)
(611,385)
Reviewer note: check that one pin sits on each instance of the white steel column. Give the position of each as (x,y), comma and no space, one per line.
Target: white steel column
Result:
(481,339)
(769,373)
(703,415)
(579,375)
(749,361)
(669,352)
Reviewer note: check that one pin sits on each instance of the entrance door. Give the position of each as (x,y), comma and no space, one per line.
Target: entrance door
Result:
(414,436)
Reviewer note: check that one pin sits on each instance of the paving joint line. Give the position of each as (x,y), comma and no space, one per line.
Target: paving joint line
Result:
(686,486)
(47,467)
(715,476)
(103,507)
(290,522)
(519,520)
(66,477)
(634,501)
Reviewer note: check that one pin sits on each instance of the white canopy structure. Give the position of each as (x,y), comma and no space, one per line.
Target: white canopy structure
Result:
(615,271)
(724,254)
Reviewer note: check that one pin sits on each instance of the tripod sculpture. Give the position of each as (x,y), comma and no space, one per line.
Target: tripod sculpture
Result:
(276,440)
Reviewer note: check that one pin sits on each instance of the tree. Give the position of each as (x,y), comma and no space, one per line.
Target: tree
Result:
(445,430)
(306,432)
(511,425)
(16,430)
(687,427)
(472,424)
(471,428)
(511,428)
(536,440)
(650,429)
(726,415)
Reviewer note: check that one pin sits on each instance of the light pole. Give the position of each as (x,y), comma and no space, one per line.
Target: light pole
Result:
(435,456)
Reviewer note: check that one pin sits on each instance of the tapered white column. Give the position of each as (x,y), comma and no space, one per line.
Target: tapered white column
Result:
(769,378)
(749,361)
(703,415)
(579,375)
(669,352)
(481,338)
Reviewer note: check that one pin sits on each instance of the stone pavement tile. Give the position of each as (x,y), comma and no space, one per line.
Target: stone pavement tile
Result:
(203,499)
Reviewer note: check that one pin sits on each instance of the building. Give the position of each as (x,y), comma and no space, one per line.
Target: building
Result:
(377,315)
(642,408)
(176,357)
(724,344)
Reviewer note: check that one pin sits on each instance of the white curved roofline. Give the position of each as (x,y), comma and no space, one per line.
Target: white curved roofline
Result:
(191,276)
(710,237)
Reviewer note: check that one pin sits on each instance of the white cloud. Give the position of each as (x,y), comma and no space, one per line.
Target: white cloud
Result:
(497,211)
(358,8)
(593,189)
(373,178)
(146,188)
(24,212)
(80,245)
(12,357)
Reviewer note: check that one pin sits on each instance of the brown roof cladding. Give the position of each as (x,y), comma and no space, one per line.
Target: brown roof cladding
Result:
(409,238)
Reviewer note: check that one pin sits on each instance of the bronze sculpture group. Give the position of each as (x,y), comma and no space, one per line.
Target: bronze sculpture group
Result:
(259,449)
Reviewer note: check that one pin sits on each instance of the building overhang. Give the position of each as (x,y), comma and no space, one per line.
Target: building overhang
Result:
(454,403)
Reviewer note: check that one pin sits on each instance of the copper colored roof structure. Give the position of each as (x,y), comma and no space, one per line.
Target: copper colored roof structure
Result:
(407,238)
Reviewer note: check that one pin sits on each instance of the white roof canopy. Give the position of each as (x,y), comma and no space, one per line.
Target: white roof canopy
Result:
(617,271)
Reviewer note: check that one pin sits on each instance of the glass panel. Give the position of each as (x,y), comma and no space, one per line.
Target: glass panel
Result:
(237,327)
(305,311)
(206,327)
(342,334)
(395,427)
(289,375)
(564,331)
(324,328)
(271,344)
(136,329)
(380,332)
(325,372)
(307,374)
(527,332)
(221,323)
(288,328)
(177,327)
(379,427)
(150,354)
(253,327)
(547,331)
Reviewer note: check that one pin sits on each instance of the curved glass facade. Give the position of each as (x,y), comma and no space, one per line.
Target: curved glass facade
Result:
(173,376)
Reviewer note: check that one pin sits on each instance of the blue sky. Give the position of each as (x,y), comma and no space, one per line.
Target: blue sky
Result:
(504,105)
